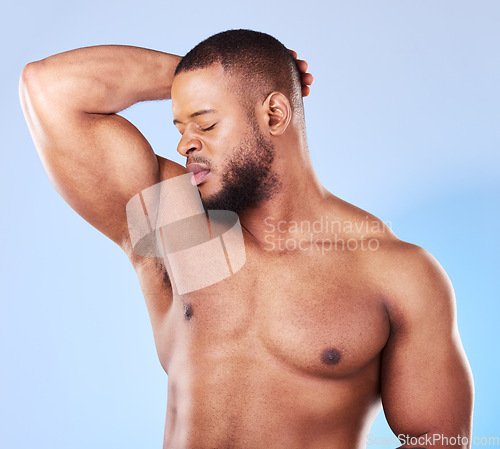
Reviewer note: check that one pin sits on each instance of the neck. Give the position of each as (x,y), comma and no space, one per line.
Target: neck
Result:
(300,196)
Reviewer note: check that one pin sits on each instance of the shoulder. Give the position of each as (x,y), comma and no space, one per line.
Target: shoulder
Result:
(416,288)
(169,169)
(408,278)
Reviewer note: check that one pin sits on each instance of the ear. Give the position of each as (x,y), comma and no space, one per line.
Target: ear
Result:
(278,113)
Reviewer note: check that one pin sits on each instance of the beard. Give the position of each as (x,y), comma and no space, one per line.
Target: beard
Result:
(247,178)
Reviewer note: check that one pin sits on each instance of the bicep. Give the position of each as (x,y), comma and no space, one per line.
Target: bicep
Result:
(426,383)
(96,162)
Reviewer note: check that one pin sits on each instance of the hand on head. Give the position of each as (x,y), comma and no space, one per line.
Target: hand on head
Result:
(306,78)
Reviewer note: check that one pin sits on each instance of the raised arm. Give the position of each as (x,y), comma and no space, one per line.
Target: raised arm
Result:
(427,390)
(95,159)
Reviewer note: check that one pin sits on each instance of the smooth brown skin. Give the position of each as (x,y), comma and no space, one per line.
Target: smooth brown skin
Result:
(246,370)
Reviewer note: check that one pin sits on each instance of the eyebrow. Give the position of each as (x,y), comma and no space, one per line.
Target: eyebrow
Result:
(197,114)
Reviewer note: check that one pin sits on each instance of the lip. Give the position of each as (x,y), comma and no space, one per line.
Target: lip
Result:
(199,171)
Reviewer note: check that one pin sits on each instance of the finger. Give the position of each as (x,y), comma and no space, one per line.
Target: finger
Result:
(305,91)
(307,79)
(294,54)
(302,65)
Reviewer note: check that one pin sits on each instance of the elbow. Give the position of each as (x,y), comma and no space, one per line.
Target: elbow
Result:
(30,80)
(29,73)
(33,95)
(38,88)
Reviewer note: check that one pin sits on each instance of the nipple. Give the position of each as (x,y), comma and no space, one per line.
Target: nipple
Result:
(188,312)
(330,356)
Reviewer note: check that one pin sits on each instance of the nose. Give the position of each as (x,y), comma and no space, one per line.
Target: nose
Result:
(188,144)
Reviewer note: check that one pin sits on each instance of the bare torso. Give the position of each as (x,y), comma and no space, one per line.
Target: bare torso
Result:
(283,354)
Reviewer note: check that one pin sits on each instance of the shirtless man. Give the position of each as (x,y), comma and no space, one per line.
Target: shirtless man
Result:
(299,348)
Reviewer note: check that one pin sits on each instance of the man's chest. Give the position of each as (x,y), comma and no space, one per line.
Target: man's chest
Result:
(316,318)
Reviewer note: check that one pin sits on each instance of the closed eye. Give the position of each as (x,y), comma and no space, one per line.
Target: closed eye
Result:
(209,128)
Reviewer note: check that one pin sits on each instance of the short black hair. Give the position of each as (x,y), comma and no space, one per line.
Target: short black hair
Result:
(261,64)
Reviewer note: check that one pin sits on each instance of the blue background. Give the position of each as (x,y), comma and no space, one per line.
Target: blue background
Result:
(403,121)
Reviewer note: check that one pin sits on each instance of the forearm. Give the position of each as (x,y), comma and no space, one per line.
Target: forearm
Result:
(103,79)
